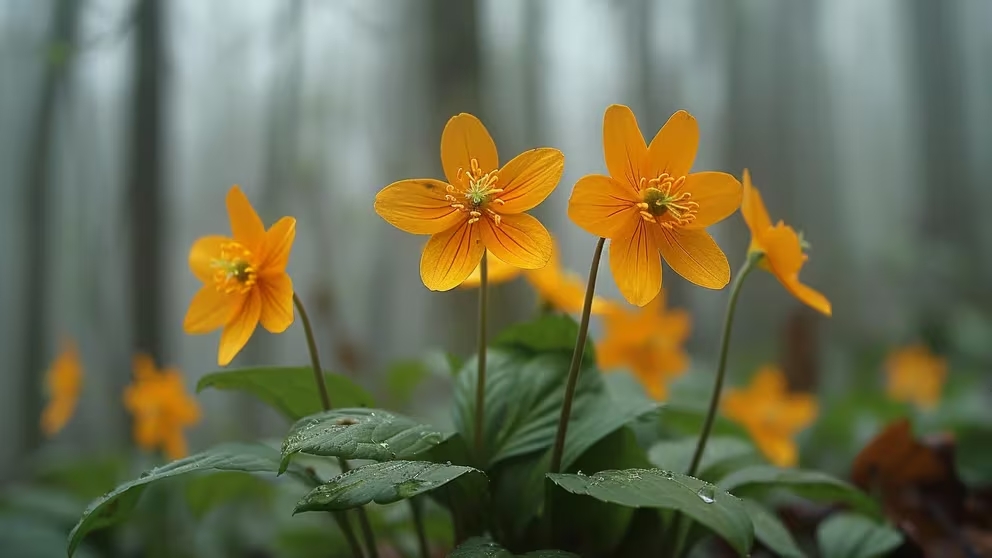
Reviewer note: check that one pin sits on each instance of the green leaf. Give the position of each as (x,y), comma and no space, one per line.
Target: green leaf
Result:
(598,419)
(359,434)
(403,377)
(478,547)
(523,401)
(850,535)
(547,334)
(813,485)
(114,506)
(770,531)
(207,492)
(717,510)
(290,390)
(382,483)
(721,452)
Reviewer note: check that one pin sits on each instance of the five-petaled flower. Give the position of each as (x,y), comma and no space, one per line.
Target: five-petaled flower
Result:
(648,342)
(650,203)
(245,279)
(781,248)
(63,383)
(771,415)
(161,408)
(916,375)
(481,207)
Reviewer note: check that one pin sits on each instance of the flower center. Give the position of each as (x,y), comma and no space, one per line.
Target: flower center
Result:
(234,271)
(662,203)
(479,191)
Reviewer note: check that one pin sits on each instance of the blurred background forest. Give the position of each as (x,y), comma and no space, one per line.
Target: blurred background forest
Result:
(124,122)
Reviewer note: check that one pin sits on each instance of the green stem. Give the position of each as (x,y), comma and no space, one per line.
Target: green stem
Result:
(318,372)
(480,386)
(416,506)
(342,520)
(325,400)
(573,372)
(680,528)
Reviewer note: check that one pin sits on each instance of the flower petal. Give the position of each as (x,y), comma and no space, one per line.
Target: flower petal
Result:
(465,138)
(798,411)
(604,207)
(694,255)
(780,450)
(450,256)
(278,244)
(210,309)
(238,330)
(519,240)
(417,206)
(636,265)
(753,210)
(276,292)
(673,148)
(498,272)
(807,295)
(623,146)
(201,256)
(783,251)
(246,226)
(717,193)
(528,179)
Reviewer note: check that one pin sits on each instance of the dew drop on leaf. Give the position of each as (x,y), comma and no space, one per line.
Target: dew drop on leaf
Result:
(706,493)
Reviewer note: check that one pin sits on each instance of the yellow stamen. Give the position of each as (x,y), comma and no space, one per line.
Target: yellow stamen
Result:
(235,272)
(479,191)
(664,204)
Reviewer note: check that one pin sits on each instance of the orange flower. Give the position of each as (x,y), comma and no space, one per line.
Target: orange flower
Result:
(161,408)
(481,207)
(648,342)
(498,272)
(651,203)
(771,415)
(245,279)
(916,375)
(781,246)
(63,383)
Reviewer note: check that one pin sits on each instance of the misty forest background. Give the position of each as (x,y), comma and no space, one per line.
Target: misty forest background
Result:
(868,125)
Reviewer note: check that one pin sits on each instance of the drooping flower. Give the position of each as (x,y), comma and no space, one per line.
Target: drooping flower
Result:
(771,415)
(781,246)
(650,203)
(560,288)
(63,382)
(648,342)
(161,408)
(481,207)
(915,375)
(244,278)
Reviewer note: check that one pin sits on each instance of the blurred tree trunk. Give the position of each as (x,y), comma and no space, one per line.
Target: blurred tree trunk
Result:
(58,56)
(144,180)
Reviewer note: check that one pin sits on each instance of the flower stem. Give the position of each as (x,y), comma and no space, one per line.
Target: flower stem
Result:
(573,372)
(416,506)
(325,400)
(480,386)
(318,372)
(680,527)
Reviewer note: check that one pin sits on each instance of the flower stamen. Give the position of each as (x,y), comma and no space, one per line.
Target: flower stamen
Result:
(479,192)
(664,204)
(234,270)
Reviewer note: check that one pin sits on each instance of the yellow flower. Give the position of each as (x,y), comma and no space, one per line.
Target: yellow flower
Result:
(244,277)
(781,246)
(916,375)
(559,287)
(63,383)
(651,203)
(771,415)
(648,342)
(481,207)
(161,408)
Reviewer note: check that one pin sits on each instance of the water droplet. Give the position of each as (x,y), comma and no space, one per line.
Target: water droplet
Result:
(580,473)
(706,493)
(447,463)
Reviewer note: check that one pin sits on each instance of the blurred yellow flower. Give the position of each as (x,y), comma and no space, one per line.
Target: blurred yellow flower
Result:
(481,207)
(63,383)
(560,288)
(650,203)
(244,277)
(771,415)
(648,342)
(916,375)
(781,246)
(161,408)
